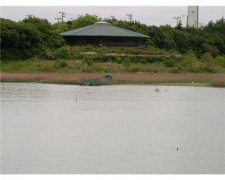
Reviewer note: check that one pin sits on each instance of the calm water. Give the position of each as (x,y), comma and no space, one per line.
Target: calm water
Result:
(111,129)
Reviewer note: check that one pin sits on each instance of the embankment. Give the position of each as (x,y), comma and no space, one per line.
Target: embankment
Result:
(119,78)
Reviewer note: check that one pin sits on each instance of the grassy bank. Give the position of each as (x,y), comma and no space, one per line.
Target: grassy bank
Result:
(114,64)
(189,79)
(70,65)
(87,59)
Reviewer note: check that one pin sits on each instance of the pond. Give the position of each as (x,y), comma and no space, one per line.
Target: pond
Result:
(47,128)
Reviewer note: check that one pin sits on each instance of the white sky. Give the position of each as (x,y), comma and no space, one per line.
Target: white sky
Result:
(151,15)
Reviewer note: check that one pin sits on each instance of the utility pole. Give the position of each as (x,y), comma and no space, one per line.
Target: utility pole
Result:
(29,15)
(130,16)
(63,15)
(58,19)
(178,18)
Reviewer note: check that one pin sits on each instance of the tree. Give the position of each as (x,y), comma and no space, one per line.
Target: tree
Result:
(61,27)
(27,38)
(85,20)
(49,37)
(34,36)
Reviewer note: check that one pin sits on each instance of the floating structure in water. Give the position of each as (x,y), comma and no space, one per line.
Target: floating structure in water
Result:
(89,82)
(157,89)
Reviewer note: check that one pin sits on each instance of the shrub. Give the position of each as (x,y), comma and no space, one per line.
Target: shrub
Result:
(46,67)
(208,69)
(100,58)
(87,70)
(176,70)
(154,70)
(199,67)
(88,61)
(196,69)
(118,60)
(63,64)
(60,64)
(188,58)
(135,69)
(209,48)
(96,68)
(16,66)
(126,62)
(169,63)
(220,60)
(207,58)
(62,53)
(50,55)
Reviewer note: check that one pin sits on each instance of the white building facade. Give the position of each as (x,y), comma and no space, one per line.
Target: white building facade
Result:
(192,18)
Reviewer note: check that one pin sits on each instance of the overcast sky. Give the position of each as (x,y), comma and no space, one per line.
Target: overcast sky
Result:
(151,15)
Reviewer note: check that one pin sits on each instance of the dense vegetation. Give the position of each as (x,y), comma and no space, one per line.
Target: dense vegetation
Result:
(27,38)
(178,49)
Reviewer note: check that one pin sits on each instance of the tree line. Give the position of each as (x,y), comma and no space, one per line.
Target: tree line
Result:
(34,36)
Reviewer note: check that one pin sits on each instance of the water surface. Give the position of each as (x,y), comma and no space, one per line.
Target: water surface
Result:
(111,129)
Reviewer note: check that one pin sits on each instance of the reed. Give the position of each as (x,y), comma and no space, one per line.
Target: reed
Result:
(189,79)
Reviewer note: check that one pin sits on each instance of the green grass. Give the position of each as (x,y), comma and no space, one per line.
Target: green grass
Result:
(71,66)
(72,59)
(104,50)
(195,84)
(79,66)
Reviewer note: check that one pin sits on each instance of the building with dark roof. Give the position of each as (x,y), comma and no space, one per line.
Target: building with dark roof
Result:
(105,34)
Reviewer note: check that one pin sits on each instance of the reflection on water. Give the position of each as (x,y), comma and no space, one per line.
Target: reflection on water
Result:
(111,129)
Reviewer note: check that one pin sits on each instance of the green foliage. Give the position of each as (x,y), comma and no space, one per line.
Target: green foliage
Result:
(211,38)
(118,60)
(135,69)
(126,62)
(170,63)
(60,27)
(49,38)
(207,57)
(85,20)
(62,53)
(88,61)
(37,37)
(18,39)
(48,54)
(220,60)
(47,67)
(188,58)
(60,64)
(210,49)
(97,68)
(71,66)
(27,38)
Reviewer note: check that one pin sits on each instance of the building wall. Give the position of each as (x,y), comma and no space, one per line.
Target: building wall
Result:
(106,41)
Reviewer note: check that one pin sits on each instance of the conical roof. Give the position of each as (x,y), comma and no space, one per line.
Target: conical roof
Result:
(103,29)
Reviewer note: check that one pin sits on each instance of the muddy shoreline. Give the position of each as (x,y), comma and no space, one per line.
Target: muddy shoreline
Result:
(200,79)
